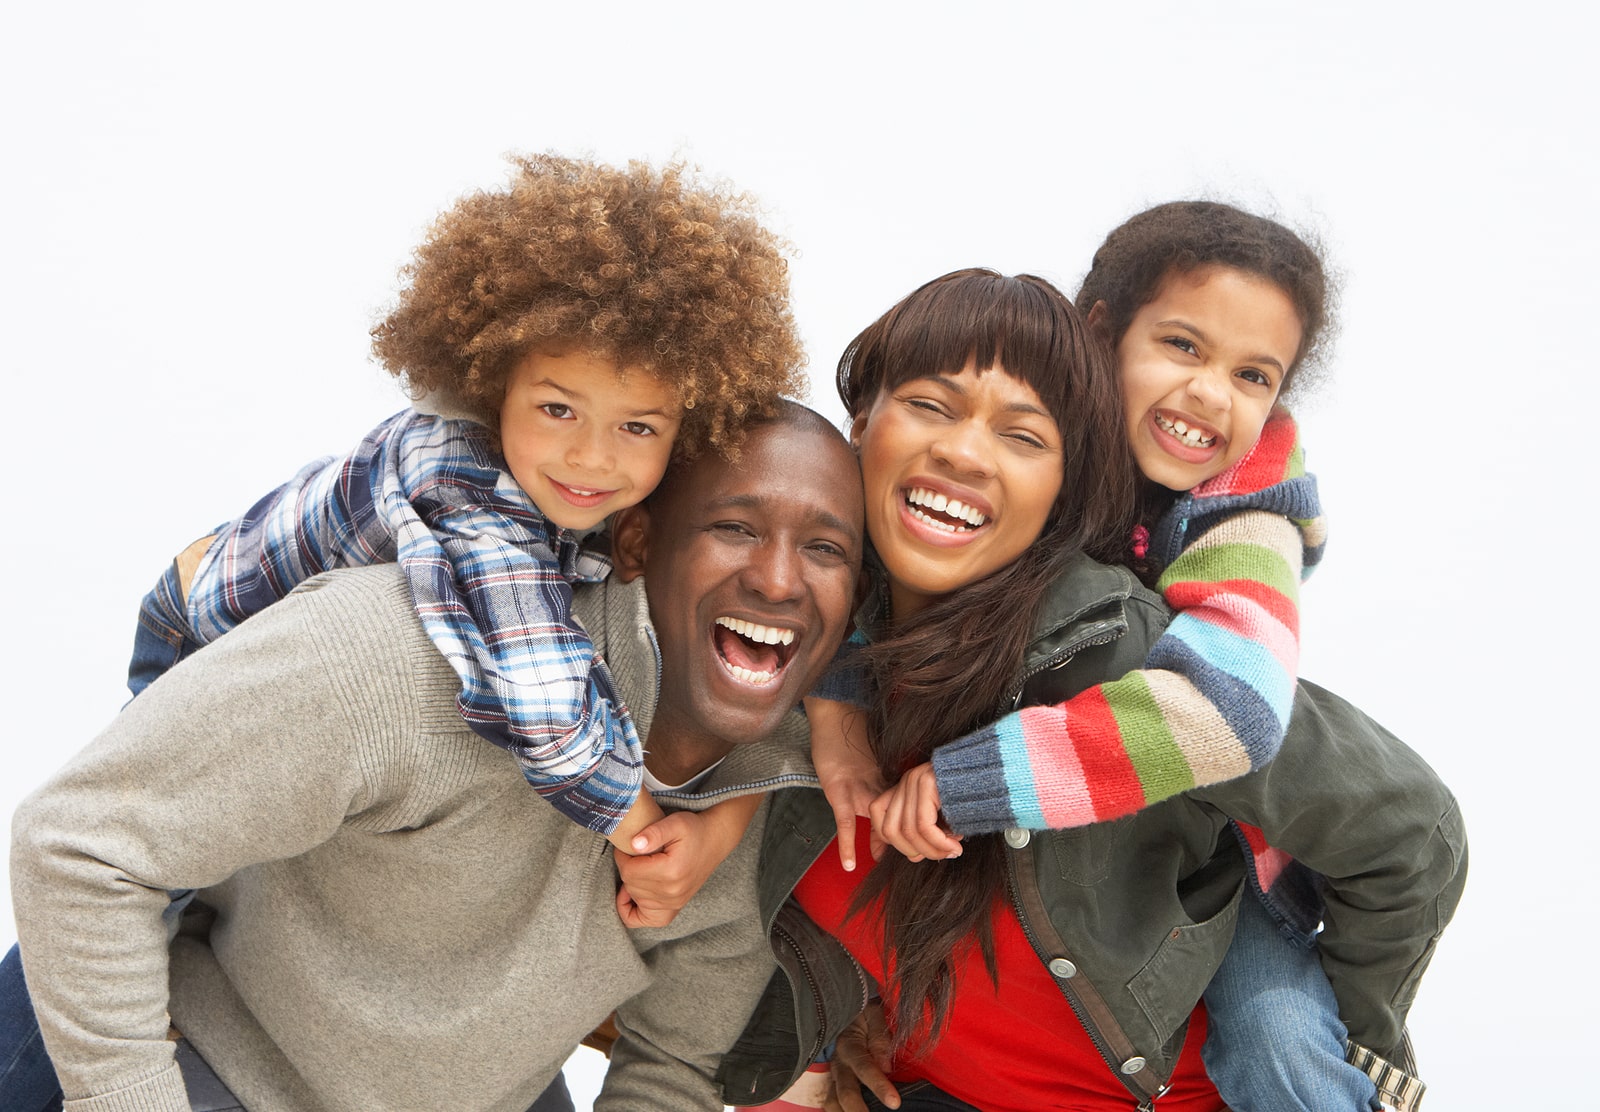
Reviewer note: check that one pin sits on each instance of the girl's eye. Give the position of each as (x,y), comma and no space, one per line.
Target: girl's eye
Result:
(1183,344)
(557,410)
(639,428)
(1250,374)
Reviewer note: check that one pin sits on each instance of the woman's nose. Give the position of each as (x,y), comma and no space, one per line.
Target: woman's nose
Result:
(965,448)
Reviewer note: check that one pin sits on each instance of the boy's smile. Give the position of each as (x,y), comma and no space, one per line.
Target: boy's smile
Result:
(584,437)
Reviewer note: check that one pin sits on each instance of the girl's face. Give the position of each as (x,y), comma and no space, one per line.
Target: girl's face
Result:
(1200,367)
(961,472)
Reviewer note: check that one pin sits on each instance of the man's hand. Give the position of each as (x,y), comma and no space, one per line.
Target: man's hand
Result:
(861,1057)
(842,753)
(669,861)
(907,818)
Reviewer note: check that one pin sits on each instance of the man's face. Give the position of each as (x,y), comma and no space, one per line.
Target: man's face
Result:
(751,571)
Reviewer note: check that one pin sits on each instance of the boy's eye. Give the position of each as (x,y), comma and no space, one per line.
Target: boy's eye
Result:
(639,428)
(557,410)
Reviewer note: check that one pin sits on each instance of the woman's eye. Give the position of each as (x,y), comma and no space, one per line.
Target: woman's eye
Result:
(1026,438)
(925,404)
(639,428)
(557,410)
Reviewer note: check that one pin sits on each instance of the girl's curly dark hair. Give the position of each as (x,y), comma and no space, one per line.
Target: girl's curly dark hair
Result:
(649,267)
(1184,236)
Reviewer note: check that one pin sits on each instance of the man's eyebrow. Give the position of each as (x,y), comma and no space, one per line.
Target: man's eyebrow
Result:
(1204,339)
(822,516)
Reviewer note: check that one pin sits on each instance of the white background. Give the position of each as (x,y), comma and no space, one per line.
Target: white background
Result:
(205,208)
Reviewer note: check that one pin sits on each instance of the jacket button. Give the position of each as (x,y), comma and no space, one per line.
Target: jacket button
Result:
(1133,1065)
(1063,968)
(1016,837)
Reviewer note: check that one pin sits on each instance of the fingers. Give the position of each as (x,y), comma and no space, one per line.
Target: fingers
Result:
(657,836)
(845,819)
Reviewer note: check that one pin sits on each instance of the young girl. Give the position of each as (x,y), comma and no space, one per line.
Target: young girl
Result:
(563,336)
(1211,312)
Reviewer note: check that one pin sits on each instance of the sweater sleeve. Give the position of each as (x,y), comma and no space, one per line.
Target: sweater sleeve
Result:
(1215,694)
(492,582)
(203,776)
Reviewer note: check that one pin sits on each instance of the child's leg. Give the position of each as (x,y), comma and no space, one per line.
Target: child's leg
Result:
(161,639)
(27,1079)
(1275,1041)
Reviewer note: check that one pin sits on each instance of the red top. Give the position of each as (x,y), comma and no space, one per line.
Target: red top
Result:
(1016,1049)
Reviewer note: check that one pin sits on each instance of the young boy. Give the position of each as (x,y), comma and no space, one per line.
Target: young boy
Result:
(561,337)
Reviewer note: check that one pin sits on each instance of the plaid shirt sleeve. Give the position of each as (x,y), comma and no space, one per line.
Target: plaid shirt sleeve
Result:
(492,582)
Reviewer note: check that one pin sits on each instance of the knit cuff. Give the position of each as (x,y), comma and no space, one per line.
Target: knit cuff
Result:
(973,794)
(165,1092)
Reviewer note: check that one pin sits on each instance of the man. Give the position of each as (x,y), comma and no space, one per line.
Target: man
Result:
(387,918)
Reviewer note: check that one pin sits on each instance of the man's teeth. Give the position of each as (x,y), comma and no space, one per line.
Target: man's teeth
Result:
(748,676)
(938,503)
(760,634)
(1185,433)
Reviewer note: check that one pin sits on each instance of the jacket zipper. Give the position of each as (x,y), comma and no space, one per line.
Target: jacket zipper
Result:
(1061,659)
(1145,1103)
(811,984)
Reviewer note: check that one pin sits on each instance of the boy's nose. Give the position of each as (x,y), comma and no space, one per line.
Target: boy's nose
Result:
(589,450)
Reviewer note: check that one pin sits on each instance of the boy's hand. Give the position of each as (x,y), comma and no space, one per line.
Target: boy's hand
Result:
(861,1057)
(842,753)
(907,818)
(668,862)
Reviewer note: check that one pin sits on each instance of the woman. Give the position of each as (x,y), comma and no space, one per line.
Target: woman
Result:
(1056,969)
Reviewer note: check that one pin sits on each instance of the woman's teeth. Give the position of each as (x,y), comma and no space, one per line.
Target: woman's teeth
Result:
(1183,432)
(950,507)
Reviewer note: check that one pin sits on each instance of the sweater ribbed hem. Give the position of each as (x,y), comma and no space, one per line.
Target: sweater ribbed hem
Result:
(164,1092)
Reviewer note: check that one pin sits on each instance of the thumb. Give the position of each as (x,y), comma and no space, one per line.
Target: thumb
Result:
(655,837)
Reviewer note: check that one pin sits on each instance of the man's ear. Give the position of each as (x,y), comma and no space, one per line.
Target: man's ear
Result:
(630,542)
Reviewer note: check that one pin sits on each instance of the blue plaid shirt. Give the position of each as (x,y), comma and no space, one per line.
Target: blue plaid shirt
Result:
(492,581)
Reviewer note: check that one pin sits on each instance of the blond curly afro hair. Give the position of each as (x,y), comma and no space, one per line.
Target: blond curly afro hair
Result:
(645,266)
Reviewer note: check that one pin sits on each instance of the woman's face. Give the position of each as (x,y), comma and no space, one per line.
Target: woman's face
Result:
(961,472)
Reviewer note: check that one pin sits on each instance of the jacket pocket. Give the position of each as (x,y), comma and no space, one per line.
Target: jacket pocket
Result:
(1084,854)
(1170,984)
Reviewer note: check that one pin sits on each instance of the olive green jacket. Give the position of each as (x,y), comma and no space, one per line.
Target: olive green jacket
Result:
(1133,916)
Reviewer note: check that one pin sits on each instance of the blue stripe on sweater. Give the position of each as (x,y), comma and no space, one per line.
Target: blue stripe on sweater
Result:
(1254,722)
(1018,769)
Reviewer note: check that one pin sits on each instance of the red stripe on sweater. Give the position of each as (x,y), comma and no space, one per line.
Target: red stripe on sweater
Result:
(1113,782)
(1189,594)
(1262,466)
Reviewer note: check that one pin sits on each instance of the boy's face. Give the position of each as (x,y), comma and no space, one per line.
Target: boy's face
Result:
(1201,365)
(585,437)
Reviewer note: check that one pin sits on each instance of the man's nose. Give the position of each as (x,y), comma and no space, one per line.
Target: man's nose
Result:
(774,572)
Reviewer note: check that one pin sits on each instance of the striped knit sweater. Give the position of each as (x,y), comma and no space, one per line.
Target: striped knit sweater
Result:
(1214,698)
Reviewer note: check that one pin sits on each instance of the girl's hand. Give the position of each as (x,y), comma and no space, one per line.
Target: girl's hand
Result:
(907,818)
(669,861)
(849,775)
(861,1057)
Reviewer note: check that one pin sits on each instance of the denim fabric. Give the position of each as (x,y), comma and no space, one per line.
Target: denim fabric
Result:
(161,639)
(1275,1042)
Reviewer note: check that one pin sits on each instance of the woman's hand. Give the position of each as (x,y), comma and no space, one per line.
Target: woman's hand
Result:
(849,775)
(667,862)
(907,818)
(861,1057)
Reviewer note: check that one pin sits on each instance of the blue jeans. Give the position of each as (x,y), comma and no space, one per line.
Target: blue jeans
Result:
(28,1080)
(1275,1042)
(162,636)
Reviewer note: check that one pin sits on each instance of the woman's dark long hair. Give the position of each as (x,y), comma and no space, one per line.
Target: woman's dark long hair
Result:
(949,669)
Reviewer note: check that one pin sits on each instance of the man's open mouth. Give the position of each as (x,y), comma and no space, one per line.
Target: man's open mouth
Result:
(753,652)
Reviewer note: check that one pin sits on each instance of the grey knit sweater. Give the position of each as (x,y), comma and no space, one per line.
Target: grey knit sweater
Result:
(388,917)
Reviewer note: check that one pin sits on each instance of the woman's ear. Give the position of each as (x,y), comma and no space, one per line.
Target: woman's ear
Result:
(630,542)
(1097,316)
(856,427)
